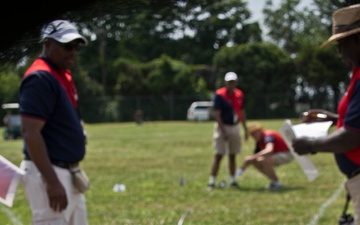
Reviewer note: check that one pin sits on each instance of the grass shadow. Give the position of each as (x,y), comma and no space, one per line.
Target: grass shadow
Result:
(262,189)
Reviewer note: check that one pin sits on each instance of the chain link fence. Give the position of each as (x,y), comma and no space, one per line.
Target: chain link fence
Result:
(162,108)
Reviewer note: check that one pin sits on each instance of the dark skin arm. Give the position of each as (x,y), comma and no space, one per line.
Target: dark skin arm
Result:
(339,141)
(243,121)
(220,122)
(31,132)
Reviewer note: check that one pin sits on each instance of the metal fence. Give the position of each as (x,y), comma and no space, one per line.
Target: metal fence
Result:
(156,108)
(123,109)
(169,107)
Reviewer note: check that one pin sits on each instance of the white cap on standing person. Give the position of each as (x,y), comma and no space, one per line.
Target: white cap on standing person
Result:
(230,76)
(62,31)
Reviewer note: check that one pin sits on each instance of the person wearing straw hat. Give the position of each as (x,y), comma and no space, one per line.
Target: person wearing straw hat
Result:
(270,151)
(344,142)
(229,113)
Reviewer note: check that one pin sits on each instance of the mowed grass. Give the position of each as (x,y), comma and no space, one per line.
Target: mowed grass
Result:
(150,159)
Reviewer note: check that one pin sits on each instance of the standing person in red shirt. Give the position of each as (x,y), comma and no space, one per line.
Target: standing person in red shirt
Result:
(270,151)
(344,142)
(229,112)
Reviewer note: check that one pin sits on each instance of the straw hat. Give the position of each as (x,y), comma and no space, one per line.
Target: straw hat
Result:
(345,22)
(254,126)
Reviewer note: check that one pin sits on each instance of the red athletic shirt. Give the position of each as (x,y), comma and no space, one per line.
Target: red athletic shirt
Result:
(64,78)
(272,136)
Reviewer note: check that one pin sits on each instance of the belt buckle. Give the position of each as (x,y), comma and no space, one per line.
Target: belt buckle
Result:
(61,164)
(64,165)
(72,165)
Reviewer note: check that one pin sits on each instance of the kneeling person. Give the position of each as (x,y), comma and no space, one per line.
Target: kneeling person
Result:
(270,151)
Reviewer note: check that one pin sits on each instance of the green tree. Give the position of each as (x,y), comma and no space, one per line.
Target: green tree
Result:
(326,9)
(215,24)
(190,31)
(326,75)
(290,26)
(319,72)
(9,86)
(9,83)
(160,76)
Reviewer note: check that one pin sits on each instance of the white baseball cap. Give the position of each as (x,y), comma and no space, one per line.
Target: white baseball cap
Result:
(62,31)
(230,76)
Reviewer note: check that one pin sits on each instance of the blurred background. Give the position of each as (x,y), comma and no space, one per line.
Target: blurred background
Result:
(157,57)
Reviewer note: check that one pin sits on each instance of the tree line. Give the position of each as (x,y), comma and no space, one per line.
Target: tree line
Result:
(159,59)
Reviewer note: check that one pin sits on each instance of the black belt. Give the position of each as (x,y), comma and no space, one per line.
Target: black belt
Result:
(231,124)
(58,163)
(64,165)
(354,173)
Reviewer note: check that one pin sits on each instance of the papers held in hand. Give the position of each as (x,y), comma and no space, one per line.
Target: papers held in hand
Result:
(289,132)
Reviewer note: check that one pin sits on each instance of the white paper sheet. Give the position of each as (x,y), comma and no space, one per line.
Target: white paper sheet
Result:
(10,176)
(289,132)
(315,130)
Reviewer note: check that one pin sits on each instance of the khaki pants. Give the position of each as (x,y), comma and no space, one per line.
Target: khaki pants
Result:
(281,158)
(35,190)
(353,187)
(230,146)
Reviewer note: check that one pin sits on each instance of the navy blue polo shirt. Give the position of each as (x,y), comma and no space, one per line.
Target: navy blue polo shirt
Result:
(227,112)
(349,117)
(42,96)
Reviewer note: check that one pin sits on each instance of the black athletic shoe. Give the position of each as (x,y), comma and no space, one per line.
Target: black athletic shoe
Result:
(274,187)
(210,187)
(235,185)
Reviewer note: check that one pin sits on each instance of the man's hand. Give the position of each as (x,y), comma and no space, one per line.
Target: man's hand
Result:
(303,146)
(226,137)
(246,136)
(57,196)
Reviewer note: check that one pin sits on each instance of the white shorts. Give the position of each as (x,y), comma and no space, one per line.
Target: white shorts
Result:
(35,190)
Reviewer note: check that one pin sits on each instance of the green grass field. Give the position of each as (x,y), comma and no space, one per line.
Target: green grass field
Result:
(150,159)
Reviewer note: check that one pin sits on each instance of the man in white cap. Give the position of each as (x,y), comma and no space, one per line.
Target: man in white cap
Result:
(54,140)
(229,112)
(344,142)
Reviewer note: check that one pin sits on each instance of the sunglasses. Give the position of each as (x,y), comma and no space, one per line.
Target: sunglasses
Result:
(70,46)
